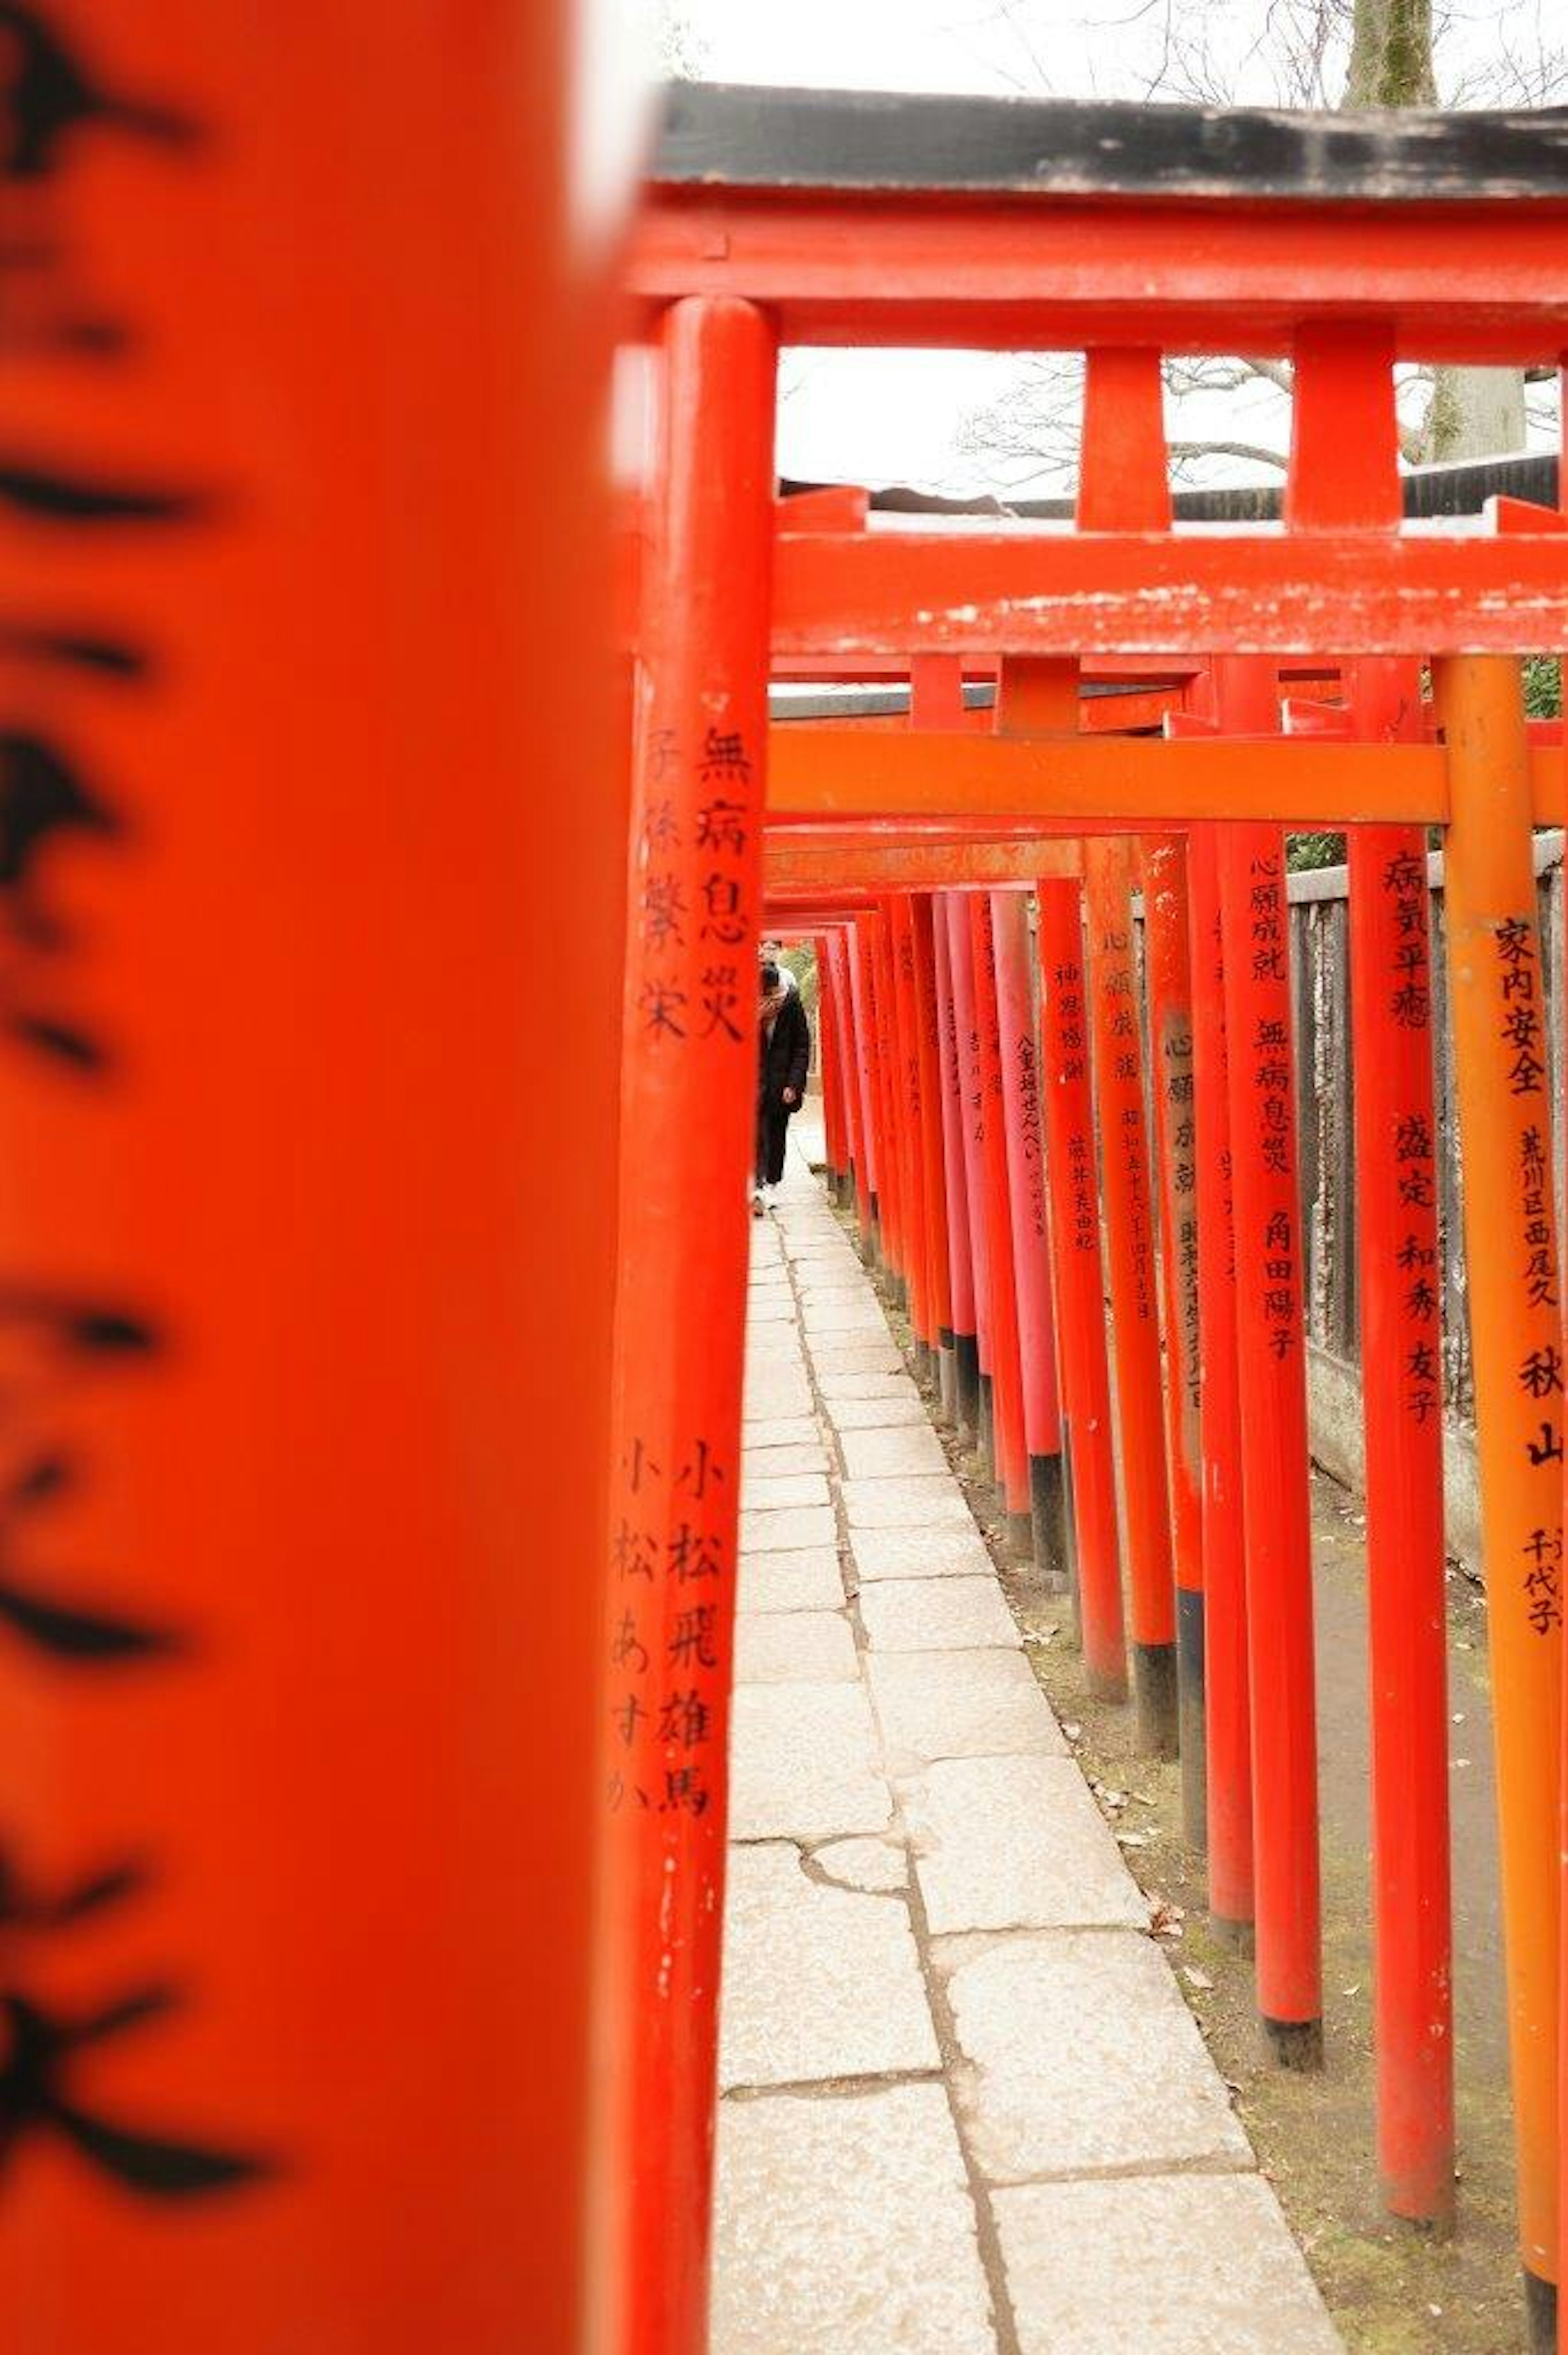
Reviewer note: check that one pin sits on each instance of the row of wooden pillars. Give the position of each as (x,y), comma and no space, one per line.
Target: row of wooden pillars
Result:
(304,1792)
(1228,1612)
(991,1129)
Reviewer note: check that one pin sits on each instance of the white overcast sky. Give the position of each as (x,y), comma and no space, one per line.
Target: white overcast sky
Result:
(883,417)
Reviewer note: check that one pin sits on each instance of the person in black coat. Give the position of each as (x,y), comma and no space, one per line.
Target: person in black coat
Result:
(783,1058)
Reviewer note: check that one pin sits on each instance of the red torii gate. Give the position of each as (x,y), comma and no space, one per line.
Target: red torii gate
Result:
(307,1344)
(1015,227)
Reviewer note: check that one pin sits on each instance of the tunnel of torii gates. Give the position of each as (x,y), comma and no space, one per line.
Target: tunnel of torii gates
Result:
(355,1610)
(1166,704)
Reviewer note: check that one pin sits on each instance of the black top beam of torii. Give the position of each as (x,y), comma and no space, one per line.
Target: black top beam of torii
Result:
(726,134)
(716,136)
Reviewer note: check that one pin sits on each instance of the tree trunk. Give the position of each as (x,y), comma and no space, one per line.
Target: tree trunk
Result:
(1391,55)
(1476,412)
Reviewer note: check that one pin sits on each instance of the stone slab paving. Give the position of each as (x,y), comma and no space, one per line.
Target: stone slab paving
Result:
(845,2226)
(1015,1844)
(890,1454)
(827,1980)
(805,1764)
(771,1394)
(864,1863)
(928,1502)
(783,1530)
(782,1431)
(760,1490)
(1089,2269)
(920,1553)
(835,1312)
(767,1463)
(878,1413)
(785,1647)
(965,2108)
(886,1382)
(979,1704)
(797,1578)
(1080,2058)
(923,1614)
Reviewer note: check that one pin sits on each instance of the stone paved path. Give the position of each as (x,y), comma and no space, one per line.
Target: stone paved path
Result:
(965,2110)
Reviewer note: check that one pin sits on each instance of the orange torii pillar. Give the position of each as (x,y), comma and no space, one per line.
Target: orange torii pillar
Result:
(1270,1296)
(1226,1674)
(1400,1291)
(1344,472)
(1080,1291)
(1498,1010)
(861,1008)
(1169,979)
(890,1154)
(1038,698)
(932,1139)
(835,1155)
(961,1284)
(972,1105)
(300,1601)
(1563,1713)
(1030,1234)
(1124,1176)
(896,1108)
(1124,487)
(1011,1452)
(935,701)
(912,1115)
(857,1196)
(689,1090)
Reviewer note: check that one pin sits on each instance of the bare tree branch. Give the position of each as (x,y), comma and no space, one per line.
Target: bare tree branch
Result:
(1292,53)
(681,52)
(1181,451)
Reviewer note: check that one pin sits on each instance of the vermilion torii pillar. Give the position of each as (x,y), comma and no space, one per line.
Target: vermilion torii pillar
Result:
(835,1149)
(688,1099)
(1011,1455)
(966,1347)
(1037,698)
(1080,1290)
(1129,1237)
(935,700)
(1400,1293)
(1123,485)
(1030,1232)
(1270,1356)
(928,1048)
(842,1010)
(890,1156)
(1345,470)
(1167,964)
(861,1003)
(1227,1675)
(1498,1013)
(961,969)
(912,1111)
(298,1666)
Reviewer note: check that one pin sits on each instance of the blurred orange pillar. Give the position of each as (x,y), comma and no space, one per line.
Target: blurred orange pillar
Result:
(1496,1008)
(1118,1062)
(689,1113)
(307,1218)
